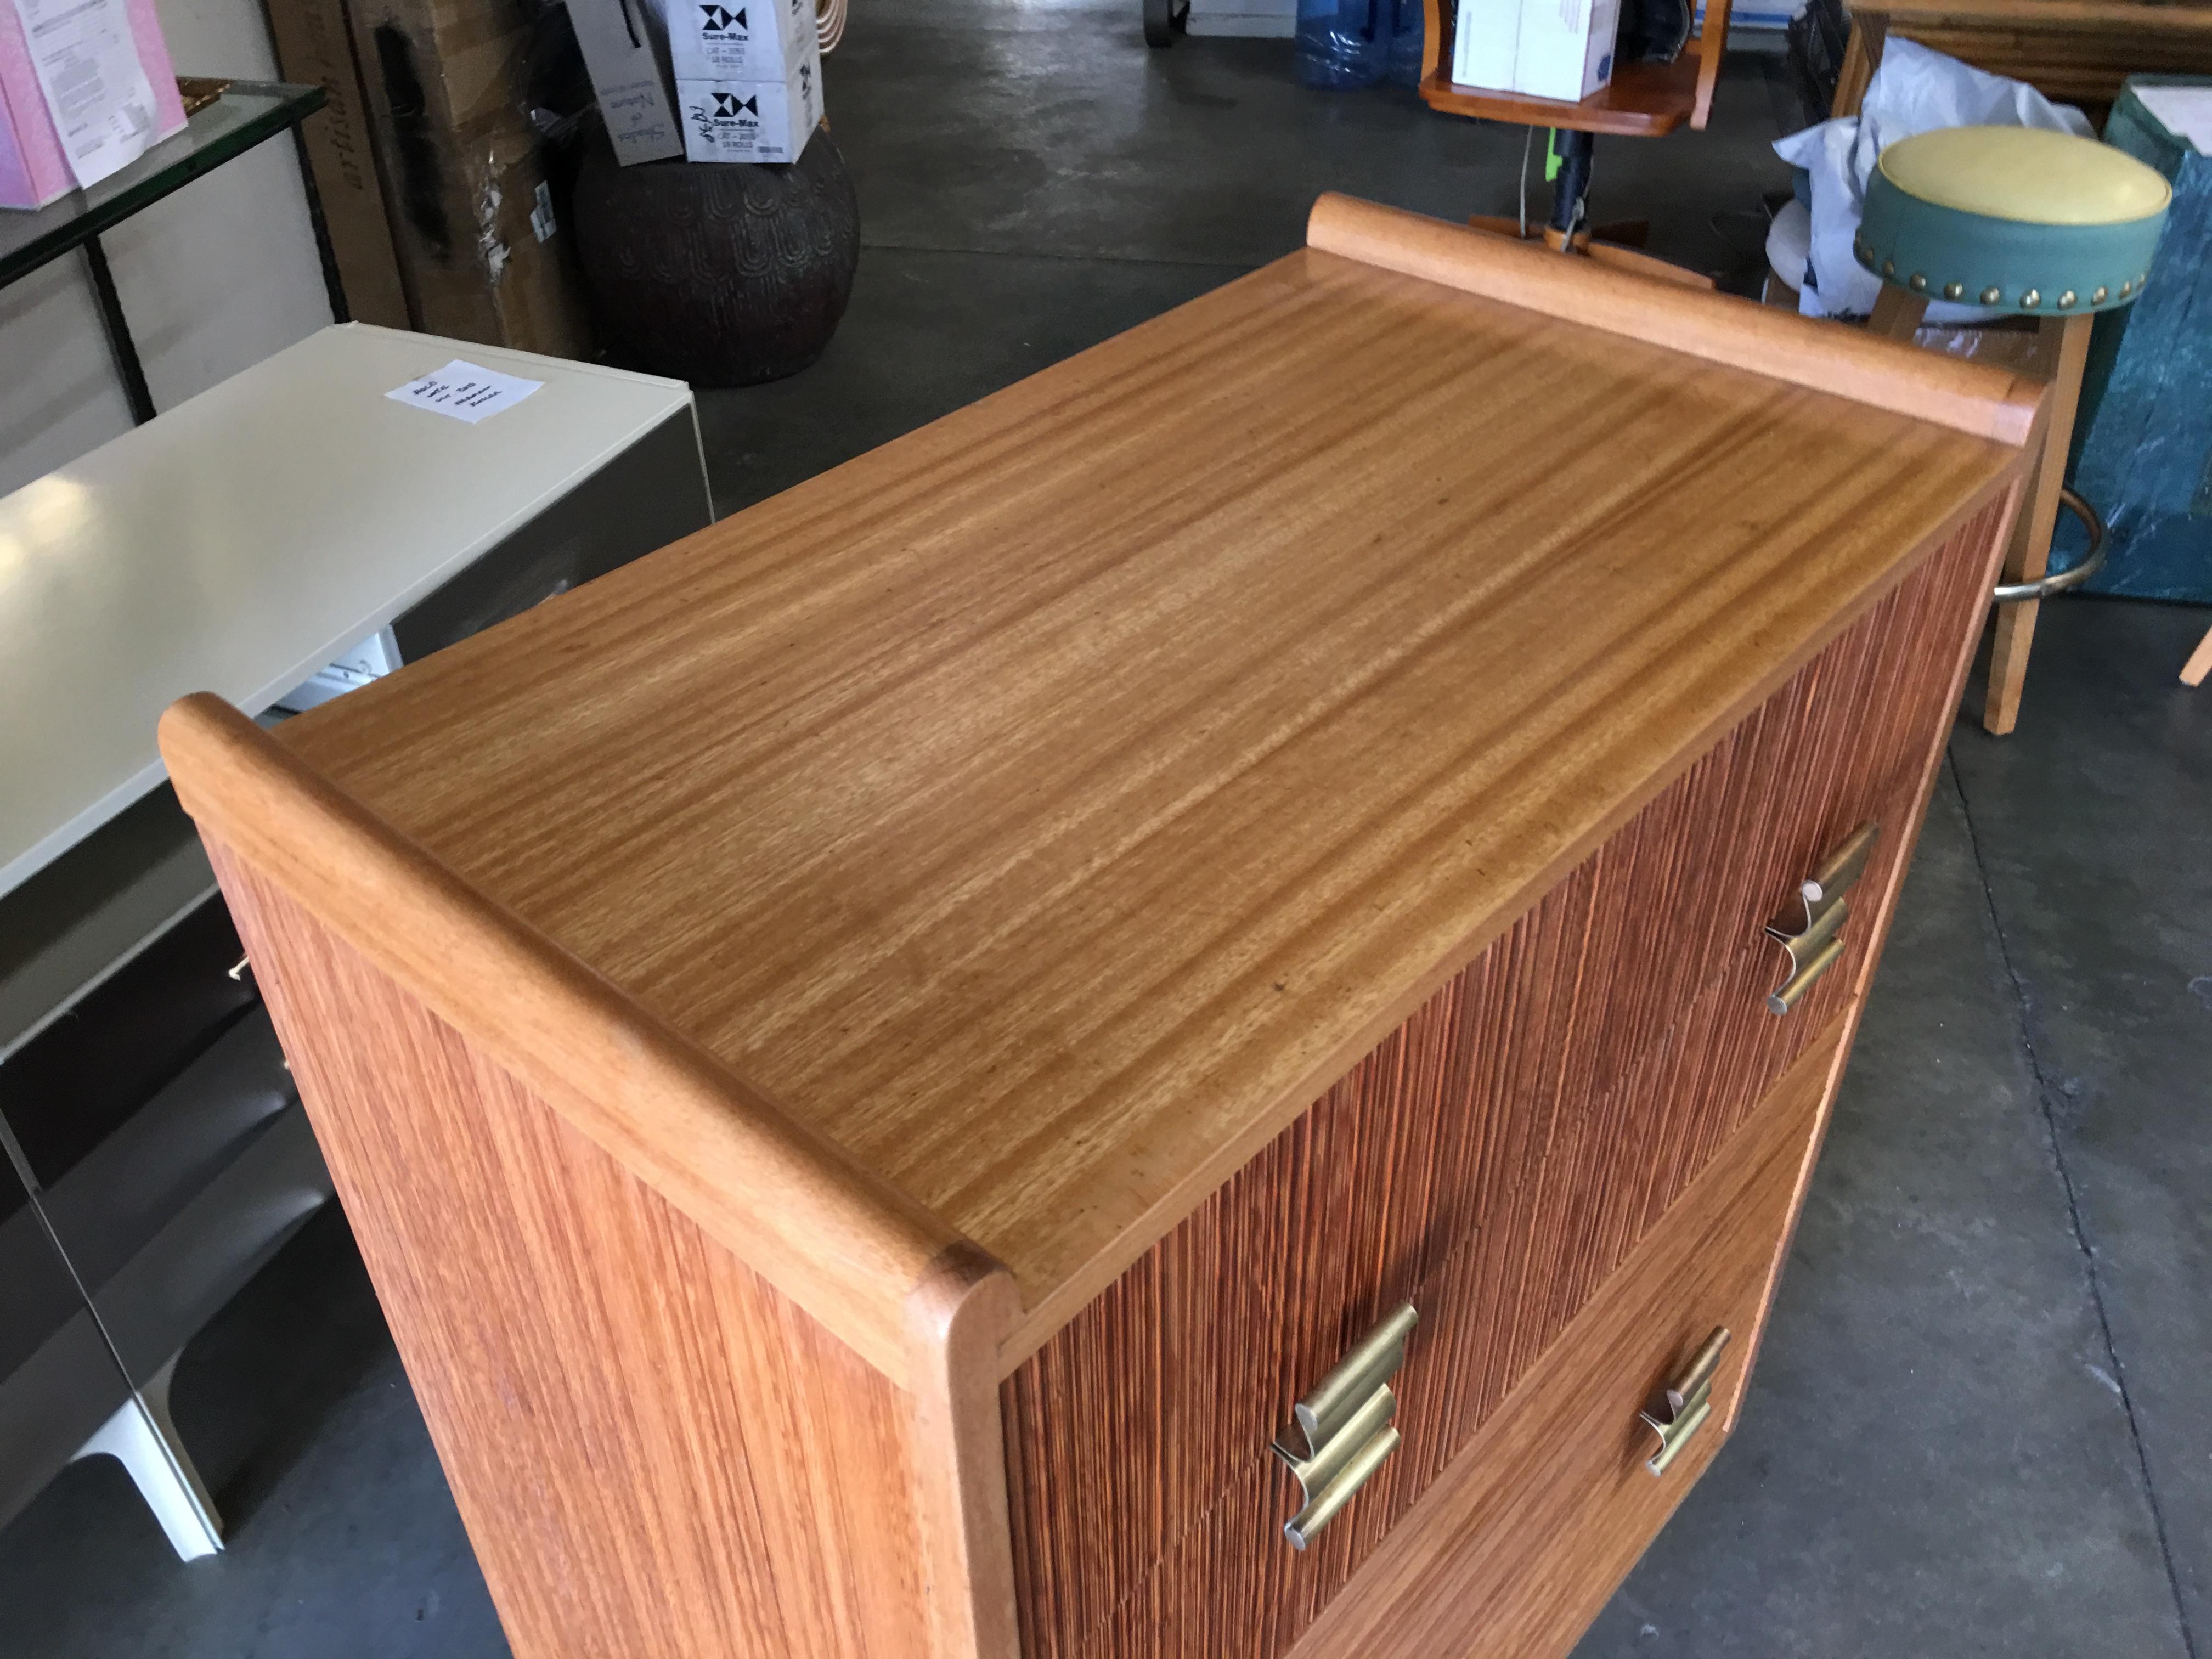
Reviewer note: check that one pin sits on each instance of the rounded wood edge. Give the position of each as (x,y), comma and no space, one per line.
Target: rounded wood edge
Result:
(841,1243)
(1599,118)
(959,1318)
(1967,397)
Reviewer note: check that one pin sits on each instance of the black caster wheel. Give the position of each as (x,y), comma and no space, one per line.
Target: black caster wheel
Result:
(1165,20)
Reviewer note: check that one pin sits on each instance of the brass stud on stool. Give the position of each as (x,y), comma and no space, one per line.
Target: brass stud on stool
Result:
(1990,296)
(2066,301)
(1954,290)
(2097,297)
(2031,299)
(1919,283)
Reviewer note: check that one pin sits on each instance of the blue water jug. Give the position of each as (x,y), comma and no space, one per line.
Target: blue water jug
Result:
(1341,43)
(1408,27)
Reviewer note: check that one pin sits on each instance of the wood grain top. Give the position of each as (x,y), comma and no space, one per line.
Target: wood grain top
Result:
(2155,15)
(1043,809)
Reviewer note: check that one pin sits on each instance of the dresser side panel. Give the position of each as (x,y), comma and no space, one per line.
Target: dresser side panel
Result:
(654,1450)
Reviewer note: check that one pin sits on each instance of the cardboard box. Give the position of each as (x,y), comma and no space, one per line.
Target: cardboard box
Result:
(1560,49)
(482,252)
(626,50)
(740,40)
(752,120)
(1565,49)
(314,44)
(34,161)
(1483,43)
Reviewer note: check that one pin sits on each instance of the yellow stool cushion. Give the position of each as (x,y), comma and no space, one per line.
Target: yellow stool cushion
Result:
(2018,218)
(2026,174)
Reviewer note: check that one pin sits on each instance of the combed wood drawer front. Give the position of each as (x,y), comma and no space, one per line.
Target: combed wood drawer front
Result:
(1522,1130)
(1566,1450)
(1516,1546)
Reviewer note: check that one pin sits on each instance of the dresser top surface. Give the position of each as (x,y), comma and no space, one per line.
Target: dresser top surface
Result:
(1041,803)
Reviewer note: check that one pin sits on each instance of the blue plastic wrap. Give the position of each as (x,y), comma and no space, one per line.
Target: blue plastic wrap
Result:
(1341,44)
(2142,441)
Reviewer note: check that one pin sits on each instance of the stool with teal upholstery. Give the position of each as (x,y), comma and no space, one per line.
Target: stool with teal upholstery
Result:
(2028,223)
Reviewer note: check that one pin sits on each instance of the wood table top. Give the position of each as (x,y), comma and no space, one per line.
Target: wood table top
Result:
(1046,806)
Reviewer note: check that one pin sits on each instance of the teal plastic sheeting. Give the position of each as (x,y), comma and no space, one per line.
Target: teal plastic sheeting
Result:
(2143,442)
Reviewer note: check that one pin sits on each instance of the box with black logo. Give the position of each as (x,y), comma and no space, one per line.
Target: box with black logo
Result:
(752,120)
(739,40)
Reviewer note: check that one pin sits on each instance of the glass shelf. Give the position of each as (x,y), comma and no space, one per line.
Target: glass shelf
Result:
(247,113)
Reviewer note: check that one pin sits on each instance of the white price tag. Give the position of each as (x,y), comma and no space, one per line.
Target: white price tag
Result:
(465,392)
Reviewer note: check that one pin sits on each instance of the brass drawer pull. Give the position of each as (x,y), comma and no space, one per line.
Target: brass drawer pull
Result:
(1344,1426)
(1685,1404)
(1810,932)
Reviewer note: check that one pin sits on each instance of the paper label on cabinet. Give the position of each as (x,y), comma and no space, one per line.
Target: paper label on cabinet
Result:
(465,392)
(88,65)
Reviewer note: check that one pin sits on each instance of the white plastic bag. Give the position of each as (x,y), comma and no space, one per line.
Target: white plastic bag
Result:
(1916,90)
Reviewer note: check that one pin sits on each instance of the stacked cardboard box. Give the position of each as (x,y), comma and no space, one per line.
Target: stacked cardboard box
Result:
(710,80)
(748,78)
(433,182)
(1559,49)
(625,49)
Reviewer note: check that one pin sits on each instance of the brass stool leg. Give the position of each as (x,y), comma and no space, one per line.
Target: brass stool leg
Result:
(2030,552)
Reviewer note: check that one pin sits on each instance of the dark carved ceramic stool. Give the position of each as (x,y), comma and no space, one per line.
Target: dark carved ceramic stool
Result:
(718,273)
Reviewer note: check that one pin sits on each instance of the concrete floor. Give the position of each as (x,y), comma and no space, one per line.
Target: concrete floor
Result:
(1983,1420)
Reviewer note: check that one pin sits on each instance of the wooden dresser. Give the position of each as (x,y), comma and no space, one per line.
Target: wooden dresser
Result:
(1304,877)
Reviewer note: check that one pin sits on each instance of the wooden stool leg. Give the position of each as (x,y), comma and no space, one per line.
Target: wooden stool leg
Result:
(2030,552)
(1861,57)
(1897,311)
(2200,662)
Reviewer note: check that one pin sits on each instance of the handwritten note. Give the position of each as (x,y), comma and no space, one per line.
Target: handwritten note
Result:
(465,392)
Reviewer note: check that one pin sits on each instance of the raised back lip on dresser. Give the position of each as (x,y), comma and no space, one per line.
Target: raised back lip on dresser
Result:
(931,883)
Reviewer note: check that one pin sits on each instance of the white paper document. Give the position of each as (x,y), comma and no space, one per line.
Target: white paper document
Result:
(2184,111)
(96,89)
(465,392)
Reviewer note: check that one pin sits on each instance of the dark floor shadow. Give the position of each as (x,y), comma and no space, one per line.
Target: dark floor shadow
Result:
(255,1388)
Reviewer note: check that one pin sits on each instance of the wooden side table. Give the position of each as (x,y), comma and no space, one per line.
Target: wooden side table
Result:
(2078,50)
(1642,101)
